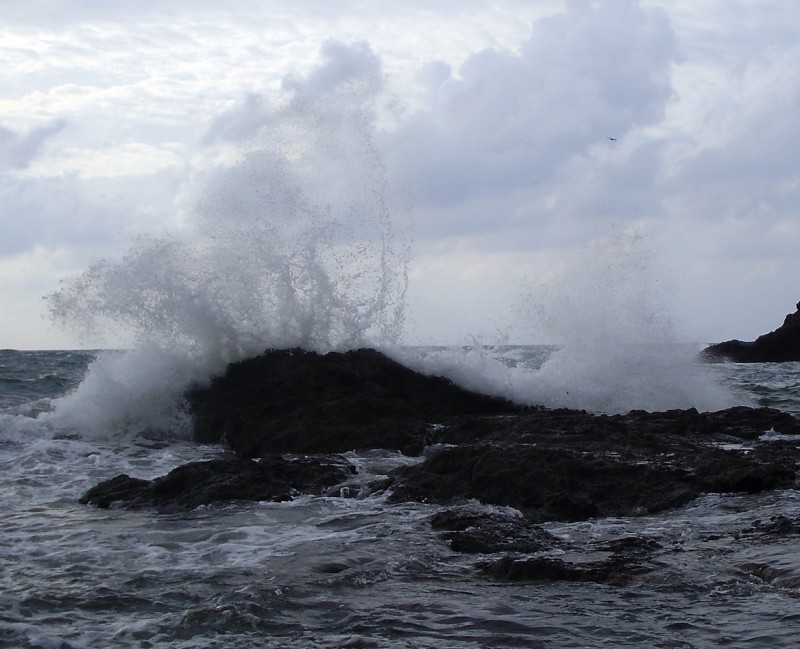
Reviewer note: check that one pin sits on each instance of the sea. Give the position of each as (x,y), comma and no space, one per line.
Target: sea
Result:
(301,236)
(260,574)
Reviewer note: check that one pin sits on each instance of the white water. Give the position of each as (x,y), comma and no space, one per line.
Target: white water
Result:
(616,350)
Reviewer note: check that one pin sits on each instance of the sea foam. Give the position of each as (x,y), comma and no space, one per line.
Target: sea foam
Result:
(608,308)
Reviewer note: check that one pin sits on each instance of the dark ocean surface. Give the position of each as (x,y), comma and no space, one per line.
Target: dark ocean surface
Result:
(333,572)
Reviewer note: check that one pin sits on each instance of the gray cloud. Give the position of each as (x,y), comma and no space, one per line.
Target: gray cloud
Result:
(347,80)
(353,71)
(17,151)
(44,212)
(241,122)
(314,151)
(87,217)
(509,121)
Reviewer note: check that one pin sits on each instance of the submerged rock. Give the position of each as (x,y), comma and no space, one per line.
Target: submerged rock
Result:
(781,345)
(528,552)
(474,531)
(615,562)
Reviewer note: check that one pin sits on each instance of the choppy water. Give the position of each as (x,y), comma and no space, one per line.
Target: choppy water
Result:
(329,572)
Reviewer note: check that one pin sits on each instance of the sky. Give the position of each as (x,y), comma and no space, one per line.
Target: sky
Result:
(550,162)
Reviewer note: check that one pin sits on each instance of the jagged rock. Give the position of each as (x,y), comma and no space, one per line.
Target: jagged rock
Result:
(531,553)
(781,345)
(201,483)
(293,401)
(570,466)
(548,465)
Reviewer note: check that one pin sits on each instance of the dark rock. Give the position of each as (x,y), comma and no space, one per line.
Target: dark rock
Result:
(201,483)
(781,345)
(122,488)
(293,401)
(777,526)
(530,553)
(546,484)
(550,465)
(616,562)
(570,466)
(480,532)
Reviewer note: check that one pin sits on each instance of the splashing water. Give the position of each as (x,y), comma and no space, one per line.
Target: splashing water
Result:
(618,345)
(291,244)
(614,348)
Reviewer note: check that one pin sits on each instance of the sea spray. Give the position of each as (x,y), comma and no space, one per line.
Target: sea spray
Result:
(613,344)
(290,242)
(618,347)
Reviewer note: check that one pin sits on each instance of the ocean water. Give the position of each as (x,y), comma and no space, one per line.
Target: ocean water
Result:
(330,572)
(300,236)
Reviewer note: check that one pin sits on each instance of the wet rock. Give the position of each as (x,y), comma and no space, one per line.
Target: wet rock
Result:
(201,483)
(481,532)
(616,562)
(531,553)
(780,345)
(546,484)
(551,465)
(779,525)
(571,466)
(293,401)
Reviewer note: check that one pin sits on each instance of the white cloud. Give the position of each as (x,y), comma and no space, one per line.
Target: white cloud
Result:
(515,121)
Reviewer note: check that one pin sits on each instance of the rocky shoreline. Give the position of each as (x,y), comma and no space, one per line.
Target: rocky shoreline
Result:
(497,470)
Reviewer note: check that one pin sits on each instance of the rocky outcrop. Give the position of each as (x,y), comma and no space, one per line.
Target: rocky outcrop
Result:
(476,531)
(571,466)
(515,549)
(615,562)
(499,469)
(272,479)
(781,345)
(293,401)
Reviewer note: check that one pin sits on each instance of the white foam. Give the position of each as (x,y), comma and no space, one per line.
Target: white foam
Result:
(130,393)
(610,380)
(608,308)
(624,377)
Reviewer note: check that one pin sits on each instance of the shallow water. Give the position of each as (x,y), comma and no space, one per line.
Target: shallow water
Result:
(333,572)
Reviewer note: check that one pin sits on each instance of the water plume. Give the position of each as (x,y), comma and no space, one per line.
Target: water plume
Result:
(618,349)
(290,242)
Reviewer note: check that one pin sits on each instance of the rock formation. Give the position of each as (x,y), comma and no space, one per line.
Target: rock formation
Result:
(288,414)
(781,345)
(293,401)
(273,479)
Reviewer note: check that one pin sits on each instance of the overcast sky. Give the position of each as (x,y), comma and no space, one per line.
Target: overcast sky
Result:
(557,159)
